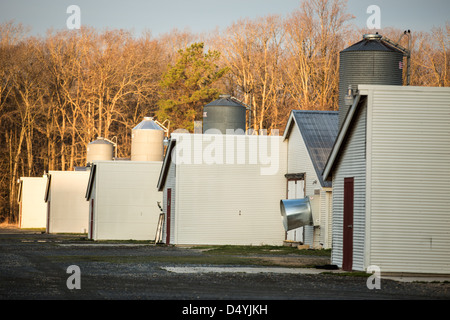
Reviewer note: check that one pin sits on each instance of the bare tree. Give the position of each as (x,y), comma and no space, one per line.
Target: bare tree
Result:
(253,50)
(315,33)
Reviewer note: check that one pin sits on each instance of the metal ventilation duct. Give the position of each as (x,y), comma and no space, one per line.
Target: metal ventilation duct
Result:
(296,213)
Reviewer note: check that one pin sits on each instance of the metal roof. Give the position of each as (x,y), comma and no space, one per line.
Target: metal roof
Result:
(319,130)
(148,124)
(166,164)
(326,174)
(100,140)
(371,45)
(225,101)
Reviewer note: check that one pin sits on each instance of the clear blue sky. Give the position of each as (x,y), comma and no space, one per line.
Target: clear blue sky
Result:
(161,16)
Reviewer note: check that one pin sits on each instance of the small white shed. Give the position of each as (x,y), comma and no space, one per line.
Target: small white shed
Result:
(67,209)
(390,168)
(310,136)
(32,207)
(223,189)
(123,200)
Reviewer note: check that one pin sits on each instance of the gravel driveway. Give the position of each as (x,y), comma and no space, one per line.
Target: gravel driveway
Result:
(34,266)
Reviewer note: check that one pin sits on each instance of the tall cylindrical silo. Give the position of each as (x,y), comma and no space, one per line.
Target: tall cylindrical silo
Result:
(222,114)
(369,61)
(147,141)
(100,149)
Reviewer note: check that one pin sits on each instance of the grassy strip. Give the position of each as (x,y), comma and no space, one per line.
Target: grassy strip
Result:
(261,250)
(213,255)
(124,241)
(212,260)
(34,229)
(361,274)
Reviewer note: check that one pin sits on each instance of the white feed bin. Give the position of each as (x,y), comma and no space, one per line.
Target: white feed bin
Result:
(100,149)
(147,141)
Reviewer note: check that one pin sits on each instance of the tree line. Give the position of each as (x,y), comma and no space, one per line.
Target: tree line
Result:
(61,91)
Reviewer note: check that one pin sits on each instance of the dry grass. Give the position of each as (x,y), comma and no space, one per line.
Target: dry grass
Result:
(6,225)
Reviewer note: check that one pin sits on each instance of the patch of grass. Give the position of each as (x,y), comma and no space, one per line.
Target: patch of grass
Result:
(261,250)
(213,260)
(212,255)
(34,229)
(125,241)
(361,274)
(433,282)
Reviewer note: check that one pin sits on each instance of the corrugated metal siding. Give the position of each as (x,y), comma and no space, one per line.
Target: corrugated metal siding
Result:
(170,183)
(230,203)
(126,200)
(351,163)
(410,180)
(92,229)
(299,162)
(69,211)
(329,241)
(297,155)
(33,207)
(296,190)
(308,233)
(325,227)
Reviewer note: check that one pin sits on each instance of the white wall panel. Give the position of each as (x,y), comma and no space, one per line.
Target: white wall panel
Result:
(33,209)
(351,163)
(125,200)
(299,161)
(69,211)
(410,175)
(232,202)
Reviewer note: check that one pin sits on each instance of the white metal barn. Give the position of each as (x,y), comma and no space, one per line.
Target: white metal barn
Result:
(223,189)
(310,136)
(32,207)
(123,200)
(67,209)
(390,168)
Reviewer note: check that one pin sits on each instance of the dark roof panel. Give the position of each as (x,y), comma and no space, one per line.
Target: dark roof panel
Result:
(319,130)
(371,45)
(225,102)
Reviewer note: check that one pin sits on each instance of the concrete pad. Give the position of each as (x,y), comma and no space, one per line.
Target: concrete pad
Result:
(434,278)
(242,270)
(280,270)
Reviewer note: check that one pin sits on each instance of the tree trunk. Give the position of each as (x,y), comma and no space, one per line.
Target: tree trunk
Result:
(14,177)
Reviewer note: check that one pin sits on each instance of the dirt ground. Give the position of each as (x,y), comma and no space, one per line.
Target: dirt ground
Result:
(35,266)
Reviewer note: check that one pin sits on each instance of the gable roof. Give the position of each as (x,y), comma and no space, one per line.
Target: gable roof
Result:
(47,187)
(90,182)
(319,130)
(166,164)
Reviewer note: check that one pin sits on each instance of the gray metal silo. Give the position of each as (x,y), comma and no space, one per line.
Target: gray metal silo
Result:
(100,149)
(224,113)
(370,61)
(147,141)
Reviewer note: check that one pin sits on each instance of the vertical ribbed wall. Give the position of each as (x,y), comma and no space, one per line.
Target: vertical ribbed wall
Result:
(352,163)
(410,175)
